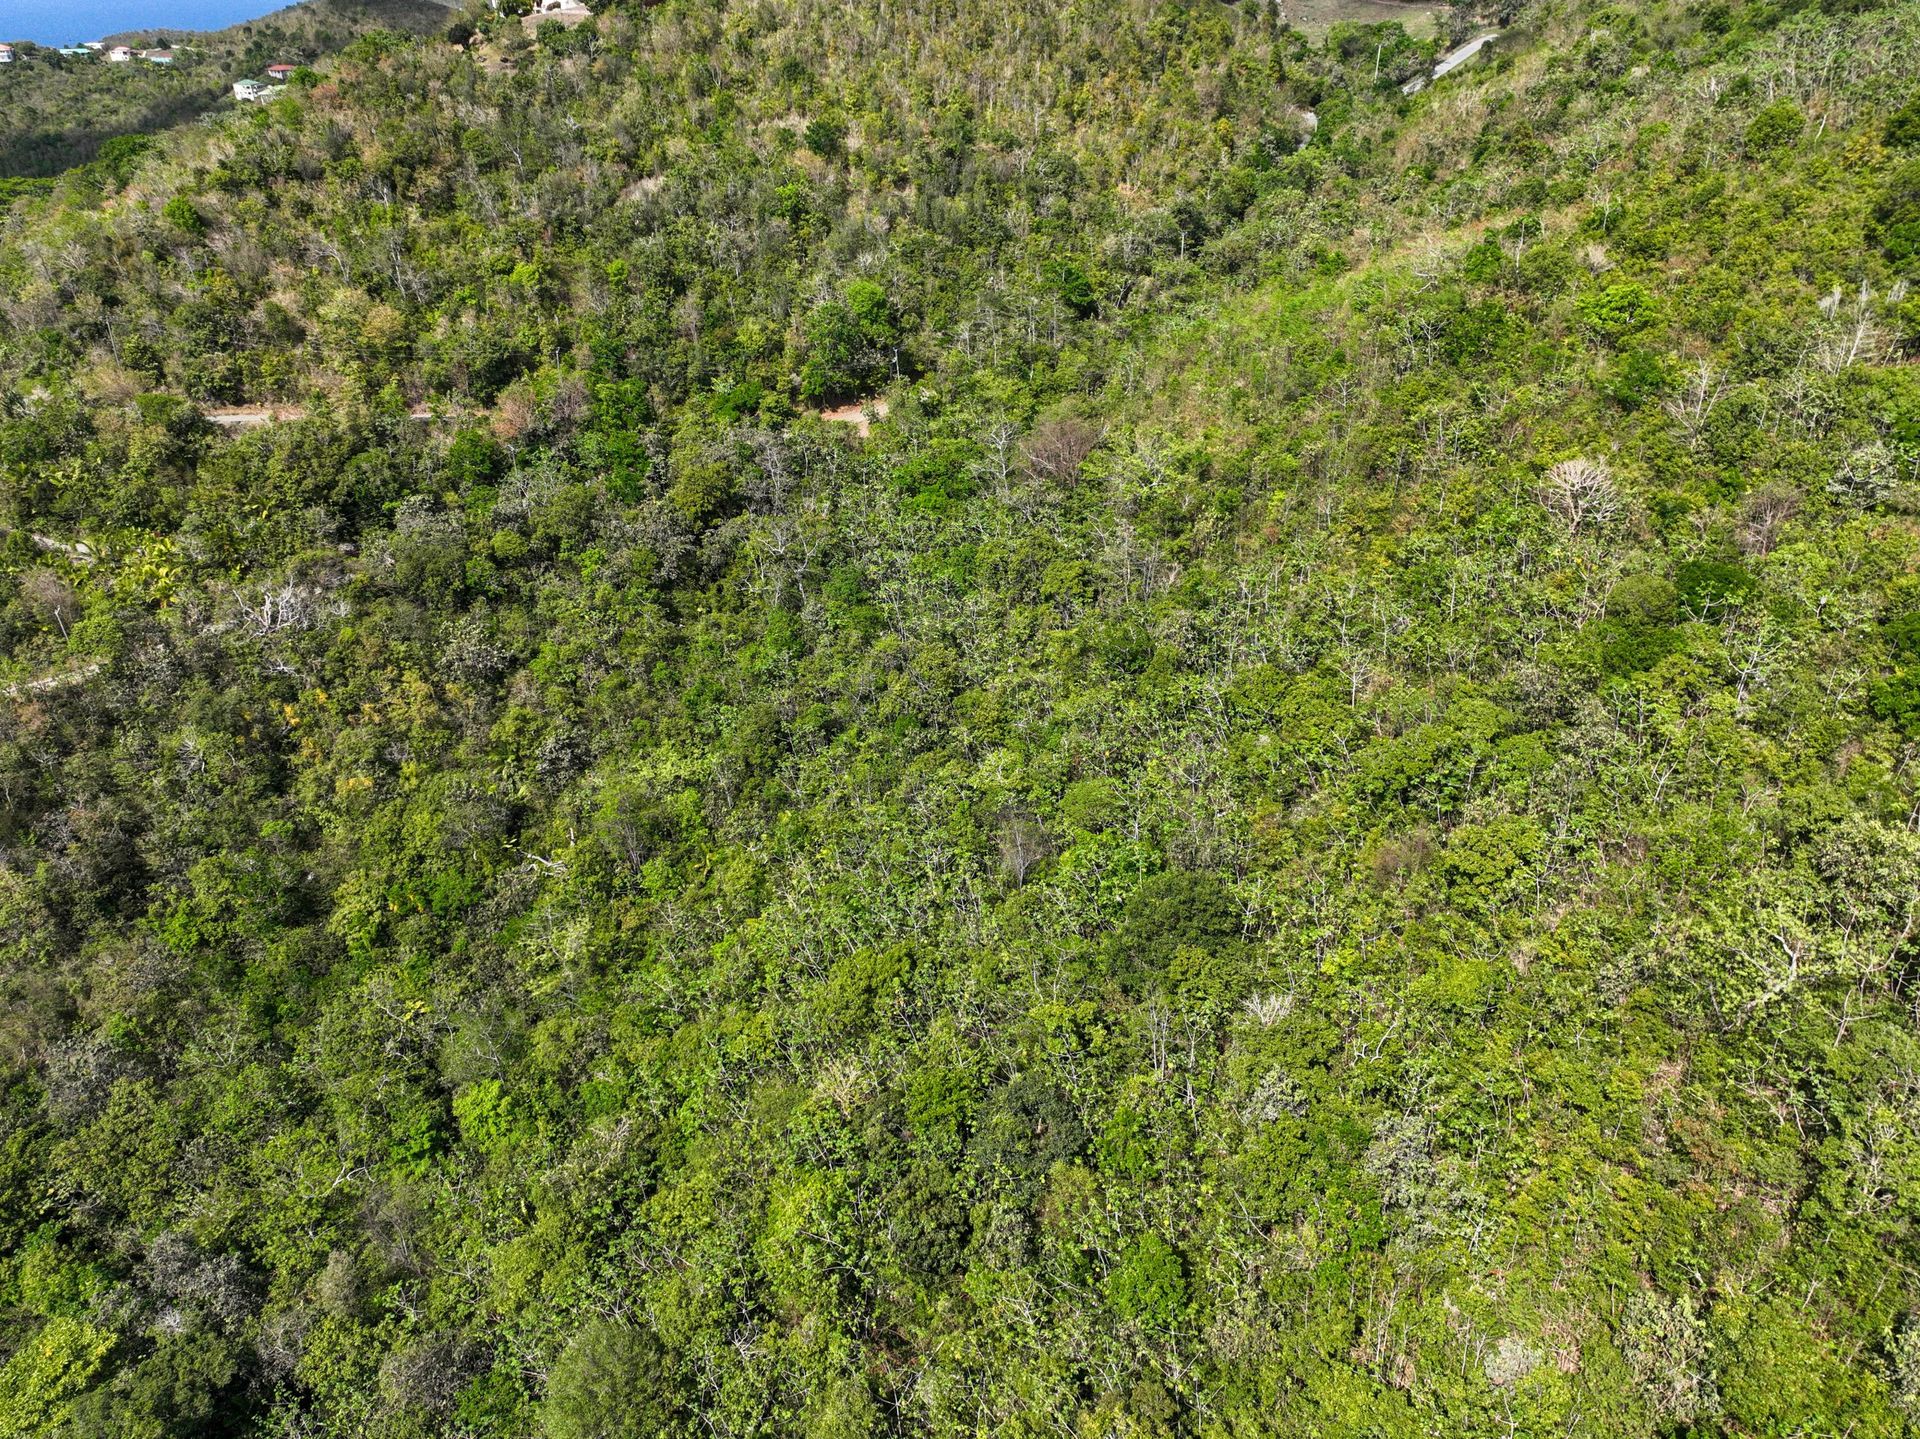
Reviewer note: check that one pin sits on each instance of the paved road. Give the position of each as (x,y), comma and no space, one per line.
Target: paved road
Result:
(1452,61)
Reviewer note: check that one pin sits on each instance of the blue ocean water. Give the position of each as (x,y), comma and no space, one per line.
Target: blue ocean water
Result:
(67,22)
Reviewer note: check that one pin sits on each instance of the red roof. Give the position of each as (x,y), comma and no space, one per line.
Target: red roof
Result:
(281,69)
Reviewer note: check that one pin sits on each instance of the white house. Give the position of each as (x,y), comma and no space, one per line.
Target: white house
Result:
(157,57)
(119,55)
(566,12)
(280,71)
(248,90)
(6,54)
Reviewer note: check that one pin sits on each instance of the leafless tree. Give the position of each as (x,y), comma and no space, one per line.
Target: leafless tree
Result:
(1851,333)
(1581,494)
(1696,400)
(1002,450)
(49,595)
(1764,514)
(1057,448)
(1023,844)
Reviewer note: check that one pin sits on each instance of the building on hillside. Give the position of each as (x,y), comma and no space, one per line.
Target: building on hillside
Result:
(79,52)
(120,55)
(564,12)
(280,71)
(248,90)
(157,57)
(6,54)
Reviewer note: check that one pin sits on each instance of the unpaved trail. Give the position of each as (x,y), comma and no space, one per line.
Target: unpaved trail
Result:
(248,417)
(65,679)
(79,551)
(1315,17)
(860,414)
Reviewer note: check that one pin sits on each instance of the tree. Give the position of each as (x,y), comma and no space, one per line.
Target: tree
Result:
(1664,1342)
(612,1381)
(1775,127)
(41,1378)
(1148,1285)
(1581,495)
(851,343)
(1896,216)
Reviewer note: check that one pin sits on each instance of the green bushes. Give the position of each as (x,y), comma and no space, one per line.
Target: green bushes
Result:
(1313,836)
(1148,1284)
(612,1381)
(1896,215)
(1168,914)
(851,344)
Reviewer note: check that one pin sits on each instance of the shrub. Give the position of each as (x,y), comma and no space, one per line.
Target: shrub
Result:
(1148,1286)
(1616,311)
(612,1381)
(1896,218)
(1775,128)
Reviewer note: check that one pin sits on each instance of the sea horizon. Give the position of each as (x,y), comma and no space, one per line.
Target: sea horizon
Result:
(69,22)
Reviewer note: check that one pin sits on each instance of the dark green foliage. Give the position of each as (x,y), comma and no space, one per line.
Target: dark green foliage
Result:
(1637,631)
(1636,378)
(1074,286)
(180,213)
(1707,589)
(1896,215)
(1297,820)
(1903,127)
(1026,1127)
(928,1226)
(1775,127)
(190,1384)
(612,1381)
(851,344)
(1169,913)
(826,136)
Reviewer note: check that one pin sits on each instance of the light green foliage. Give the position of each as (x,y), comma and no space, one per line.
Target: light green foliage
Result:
(46,1372)
(1665,1345)
(1148,1285)
(1307,828)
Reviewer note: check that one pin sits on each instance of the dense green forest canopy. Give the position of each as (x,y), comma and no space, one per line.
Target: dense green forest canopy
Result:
(1308,828)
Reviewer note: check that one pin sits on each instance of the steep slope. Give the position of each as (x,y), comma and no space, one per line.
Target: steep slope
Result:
(57,112)
(1313,834)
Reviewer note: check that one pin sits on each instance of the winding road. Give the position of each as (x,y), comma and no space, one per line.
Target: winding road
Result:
(1451,61)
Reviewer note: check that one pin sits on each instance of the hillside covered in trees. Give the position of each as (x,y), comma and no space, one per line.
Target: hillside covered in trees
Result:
(1310,827)
(60,111)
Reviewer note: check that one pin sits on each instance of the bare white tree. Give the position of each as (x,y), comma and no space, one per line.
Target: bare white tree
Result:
(1581,494)
(1696,400)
